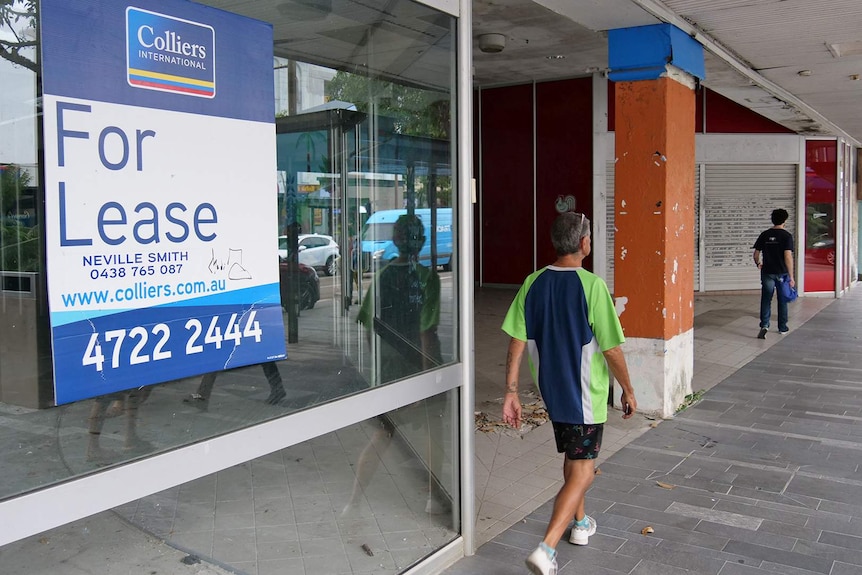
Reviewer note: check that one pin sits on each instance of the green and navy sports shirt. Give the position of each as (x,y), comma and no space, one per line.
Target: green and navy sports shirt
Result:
(567,318)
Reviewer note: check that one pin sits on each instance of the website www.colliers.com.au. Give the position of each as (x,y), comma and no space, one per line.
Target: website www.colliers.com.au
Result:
(141,291)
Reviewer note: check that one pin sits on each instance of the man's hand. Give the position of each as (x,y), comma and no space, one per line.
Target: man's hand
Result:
(512,410)
(629,403)
(512,404)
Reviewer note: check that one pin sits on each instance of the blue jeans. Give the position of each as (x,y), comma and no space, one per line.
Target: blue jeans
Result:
(767,282)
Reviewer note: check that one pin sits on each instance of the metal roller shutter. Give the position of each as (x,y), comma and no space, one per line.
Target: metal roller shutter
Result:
(738,200)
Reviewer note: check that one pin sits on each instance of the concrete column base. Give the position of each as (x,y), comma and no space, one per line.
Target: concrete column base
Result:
(661,372)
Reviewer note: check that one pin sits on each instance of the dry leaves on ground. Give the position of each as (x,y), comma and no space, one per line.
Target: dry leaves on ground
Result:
(533,414)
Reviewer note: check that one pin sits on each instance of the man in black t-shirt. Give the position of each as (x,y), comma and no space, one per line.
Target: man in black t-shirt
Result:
(773,254)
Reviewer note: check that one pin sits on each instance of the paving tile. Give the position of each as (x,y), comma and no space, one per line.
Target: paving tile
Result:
(609,523)
(335,564)
(633,457)
(845,569)
(757,537)
(671,557)
(581,556)
(278,549)
(835,523)
(824,488)
(737,569)
(682,494)
(281,567)
(505,554)
(666,533)
(779,528)
(760,512)
(482,566)
(530,527)
(653,517)
(830,552)
(231,545)
(793,503)
(779,556)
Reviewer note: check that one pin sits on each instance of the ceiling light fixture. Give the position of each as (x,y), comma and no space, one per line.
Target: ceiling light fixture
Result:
(804,72)
(556,57)
(492,43)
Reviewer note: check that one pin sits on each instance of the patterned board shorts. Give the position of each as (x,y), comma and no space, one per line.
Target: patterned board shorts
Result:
(578,441)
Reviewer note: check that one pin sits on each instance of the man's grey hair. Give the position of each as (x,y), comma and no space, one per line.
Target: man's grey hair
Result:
(567,231)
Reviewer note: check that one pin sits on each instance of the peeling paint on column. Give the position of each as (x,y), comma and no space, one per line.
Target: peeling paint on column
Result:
(620,304)
(623,252)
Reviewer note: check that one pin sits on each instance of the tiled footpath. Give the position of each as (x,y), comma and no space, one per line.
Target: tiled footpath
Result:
(760,477)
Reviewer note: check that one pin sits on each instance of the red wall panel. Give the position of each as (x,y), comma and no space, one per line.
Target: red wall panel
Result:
(564,155)
(723,116)
(507,184)
(477,167)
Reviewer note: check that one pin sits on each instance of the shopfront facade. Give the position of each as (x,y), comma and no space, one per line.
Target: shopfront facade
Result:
(549,146)
(301,420)
(294,437)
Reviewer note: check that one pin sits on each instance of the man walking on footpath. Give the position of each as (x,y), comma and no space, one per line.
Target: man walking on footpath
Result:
(773,254)
(565,316)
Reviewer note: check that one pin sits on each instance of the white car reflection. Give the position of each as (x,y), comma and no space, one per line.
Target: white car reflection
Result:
(316,250)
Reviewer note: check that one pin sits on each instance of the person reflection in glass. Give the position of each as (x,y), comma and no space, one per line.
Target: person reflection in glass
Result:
(201,397)
(402,306)
(107,406)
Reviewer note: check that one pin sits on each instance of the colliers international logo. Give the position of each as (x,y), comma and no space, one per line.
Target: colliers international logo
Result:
(169,54)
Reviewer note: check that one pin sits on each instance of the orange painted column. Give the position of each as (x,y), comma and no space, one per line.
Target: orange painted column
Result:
(654,211)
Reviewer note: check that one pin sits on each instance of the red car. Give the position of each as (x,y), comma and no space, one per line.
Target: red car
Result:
(821,252)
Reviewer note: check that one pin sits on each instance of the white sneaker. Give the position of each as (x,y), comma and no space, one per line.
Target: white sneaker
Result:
(540,564)
(581,535)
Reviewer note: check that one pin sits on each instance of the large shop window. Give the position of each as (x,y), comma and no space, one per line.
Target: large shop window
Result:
(361,213)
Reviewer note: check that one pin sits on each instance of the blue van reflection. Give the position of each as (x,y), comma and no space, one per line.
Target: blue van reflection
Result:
(378,248)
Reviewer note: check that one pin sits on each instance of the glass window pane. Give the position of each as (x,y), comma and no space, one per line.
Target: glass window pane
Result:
(363,108)
(374,497)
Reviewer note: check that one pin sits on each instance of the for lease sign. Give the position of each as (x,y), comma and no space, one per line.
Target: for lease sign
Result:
(160,193)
